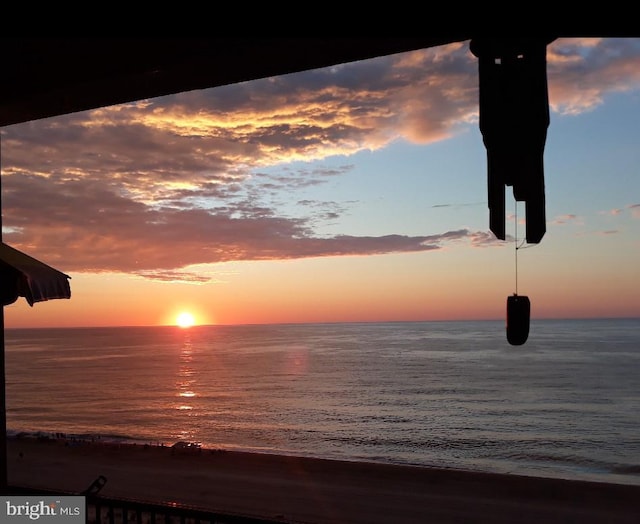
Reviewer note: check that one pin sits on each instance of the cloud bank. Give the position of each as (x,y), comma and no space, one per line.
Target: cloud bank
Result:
(203,177)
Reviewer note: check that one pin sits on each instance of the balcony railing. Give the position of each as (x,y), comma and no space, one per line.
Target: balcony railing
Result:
(106,510)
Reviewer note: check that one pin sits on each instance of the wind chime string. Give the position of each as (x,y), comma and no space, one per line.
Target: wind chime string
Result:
(518,247)
(516,244)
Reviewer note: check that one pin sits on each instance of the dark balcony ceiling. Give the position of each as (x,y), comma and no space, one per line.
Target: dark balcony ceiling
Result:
(46,77)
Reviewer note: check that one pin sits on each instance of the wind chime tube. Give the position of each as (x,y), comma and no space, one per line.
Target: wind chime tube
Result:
(514,117)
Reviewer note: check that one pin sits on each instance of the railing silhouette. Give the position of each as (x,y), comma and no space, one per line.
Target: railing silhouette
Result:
(107,510)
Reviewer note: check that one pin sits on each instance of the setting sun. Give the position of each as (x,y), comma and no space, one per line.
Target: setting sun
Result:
(185,319)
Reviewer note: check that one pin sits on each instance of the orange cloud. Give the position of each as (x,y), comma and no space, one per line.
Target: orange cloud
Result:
(581,72)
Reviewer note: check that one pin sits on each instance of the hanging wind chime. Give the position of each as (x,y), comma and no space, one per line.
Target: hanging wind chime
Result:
(514,117)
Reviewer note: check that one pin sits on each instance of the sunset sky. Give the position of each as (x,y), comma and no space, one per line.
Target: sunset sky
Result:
(351,193)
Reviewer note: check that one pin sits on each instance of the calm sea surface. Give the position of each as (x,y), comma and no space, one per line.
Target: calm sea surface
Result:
(446,394)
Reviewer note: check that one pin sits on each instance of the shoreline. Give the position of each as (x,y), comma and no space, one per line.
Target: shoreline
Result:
(313,490)
(622,475)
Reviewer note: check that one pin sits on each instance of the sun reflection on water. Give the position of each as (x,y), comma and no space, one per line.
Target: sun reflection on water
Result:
(186,382)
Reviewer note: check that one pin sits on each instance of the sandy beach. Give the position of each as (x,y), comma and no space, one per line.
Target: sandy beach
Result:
(304,490)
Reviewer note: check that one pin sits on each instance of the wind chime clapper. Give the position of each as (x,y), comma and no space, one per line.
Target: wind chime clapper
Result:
(514,117)
(518,315)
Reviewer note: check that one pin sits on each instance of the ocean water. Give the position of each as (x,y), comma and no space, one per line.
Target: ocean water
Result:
(444,394)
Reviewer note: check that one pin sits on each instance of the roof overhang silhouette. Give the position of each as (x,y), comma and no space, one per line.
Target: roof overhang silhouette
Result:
(46,77)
